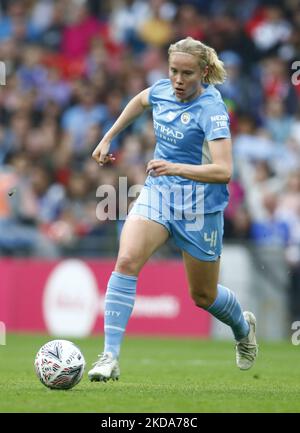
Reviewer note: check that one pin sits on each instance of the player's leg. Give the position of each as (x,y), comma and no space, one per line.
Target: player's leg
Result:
(222,303)
(208,294)
(140,238)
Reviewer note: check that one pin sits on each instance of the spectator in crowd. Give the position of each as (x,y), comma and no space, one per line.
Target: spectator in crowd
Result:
(125,20)
(189,22)
(277,121)
(237,88)
(272,230)
(77,119)
(19,213)
(157,29)
(269,28)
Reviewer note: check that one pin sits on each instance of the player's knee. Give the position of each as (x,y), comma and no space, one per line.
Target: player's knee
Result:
(203,299)
(127,264)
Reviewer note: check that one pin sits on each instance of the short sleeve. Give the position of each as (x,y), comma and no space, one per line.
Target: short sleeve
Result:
(156,91)
(214,121)
(151,96)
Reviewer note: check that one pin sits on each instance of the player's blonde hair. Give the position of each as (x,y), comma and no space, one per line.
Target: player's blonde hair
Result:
(206,56)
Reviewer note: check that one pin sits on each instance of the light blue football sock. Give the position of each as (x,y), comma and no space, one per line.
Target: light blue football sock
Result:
(227,309)
(119,302)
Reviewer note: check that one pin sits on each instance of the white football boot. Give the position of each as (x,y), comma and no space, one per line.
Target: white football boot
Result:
(107,367)
(247,348)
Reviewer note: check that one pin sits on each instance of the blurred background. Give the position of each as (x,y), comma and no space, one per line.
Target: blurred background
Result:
(71,67)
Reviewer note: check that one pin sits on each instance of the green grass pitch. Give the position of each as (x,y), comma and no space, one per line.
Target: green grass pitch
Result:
(157,375)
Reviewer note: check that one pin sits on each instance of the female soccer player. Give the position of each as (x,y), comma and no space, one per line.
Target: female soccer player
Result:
(184,196)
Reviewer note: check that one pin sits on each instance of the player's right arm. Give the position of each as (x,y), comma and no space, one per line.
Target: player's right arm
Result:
(135,107)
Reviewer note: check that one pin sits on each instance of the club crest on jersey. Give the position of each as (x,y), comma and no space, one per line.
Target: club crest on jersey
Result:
(185,118)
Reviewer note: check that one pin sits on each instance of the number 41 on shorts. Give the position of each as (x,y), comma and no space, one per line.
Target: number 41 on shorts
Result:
(212,239)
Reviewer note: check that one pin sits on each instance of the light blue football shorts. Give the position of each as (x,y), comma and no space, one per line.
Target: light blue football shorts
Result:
(193,231)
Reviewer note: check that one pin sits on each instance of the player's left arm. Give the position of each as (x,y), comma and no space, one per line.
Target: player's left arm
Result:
(218,171)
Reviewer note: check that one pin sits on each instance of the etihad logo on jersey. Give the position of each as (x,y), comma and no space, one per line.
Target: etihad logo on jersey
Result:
(167,132)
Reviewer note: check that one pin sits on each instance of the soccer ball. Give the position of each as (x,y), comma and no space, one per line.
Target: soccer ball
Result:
(59,364)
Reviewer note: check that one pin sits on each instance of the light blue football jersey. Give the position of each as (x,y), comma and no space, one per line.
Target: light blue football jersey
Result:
(182,131)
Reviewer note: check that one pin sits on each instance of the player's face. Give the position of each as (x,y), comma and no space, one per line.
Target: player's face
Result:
(185,75)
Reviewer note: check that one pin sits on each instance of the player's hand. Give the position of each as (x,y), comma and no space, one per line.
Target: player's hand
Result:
(158,167)
(101,155)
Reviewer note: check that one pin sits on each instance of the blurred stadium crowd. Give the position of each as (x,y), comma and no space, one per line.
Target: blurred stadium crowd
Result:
(72,65)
